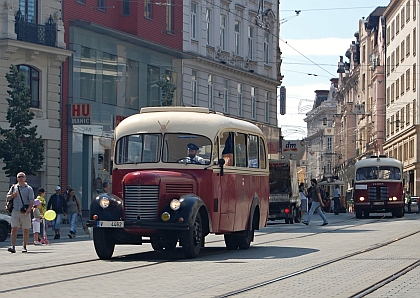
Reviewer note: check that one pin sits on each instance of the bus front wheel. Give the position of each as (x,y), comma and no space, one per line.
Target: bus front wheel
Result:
(192,239)
(231,241)
(358,213)
(103,240)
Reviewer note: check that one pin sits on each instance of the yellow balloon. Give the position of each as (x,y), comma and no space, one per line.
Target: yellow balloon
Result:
(50,215)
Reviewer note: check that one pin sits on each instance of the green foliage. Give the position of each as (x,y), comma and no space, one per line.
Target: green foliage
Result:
(20,148)
(168,90)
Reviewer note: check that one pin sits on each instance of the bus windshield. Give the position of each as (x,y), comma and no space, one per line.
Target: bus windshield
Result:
(381,172)
(139,148)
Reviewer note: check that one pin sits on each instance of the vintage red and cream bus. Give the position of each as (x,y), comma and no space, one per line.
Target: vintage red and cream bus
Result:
(378,186)
(180,173)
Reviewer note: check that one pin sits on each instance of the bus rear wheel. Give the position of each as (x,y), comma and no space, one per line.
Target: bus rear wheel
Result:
(231,241)
(358,213)
(103,240)
(298,215)
(398,213)
(193,238)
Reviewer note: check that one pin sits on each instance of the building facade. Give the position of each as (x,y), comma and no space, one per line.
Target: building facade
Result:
(32,38)
(402,104)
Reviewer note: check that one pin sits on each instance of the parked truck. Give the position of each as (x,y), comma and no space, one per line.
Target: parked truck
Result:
(284,192)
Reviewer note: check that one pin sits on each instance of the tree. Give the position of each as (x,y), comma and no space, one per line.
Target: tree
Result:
(20,148)
(168,90)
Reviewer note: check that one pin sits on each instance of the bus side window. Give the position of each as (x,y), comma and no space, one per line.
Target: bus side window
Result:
(262,154)
(228,144)
(253,151)
(240,150)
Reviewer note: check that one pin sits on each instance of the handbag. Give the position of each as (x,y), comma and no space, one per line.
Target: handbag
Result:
(25,206)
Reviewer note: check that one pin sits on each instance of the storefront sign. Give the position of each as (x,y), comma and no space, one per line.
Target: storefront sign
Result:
(81,113)
(94,130)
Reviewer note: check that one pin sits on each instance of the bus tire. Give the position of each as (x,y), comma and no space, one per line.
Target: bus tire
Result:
(103,240)
(398,213)
(366,213)
(298,215)
(358,213)
(231,241)
(192,239)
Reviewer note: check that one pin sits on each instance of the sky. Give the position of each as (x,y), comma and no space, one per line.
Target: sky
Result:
(312,43)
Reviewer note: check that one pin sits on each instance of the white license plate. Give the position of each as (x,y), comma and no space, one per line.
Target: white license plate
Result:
(110,224)
(378,203)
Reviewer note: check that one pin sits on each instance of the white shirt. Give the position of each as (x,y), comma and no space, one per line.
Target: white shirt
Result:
(337,192)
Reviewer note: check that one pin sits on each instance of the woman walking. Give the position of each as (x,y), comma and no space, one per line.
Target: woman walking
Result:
(73,211)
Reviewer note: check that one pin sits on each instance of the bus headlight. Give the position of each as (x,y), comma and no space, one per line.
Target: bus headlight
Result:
(361,199)
(104,202)
(394,198)
(175,204)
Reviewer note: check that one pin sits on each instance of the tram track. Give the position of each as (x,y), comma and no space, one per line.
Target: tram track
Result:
(359,294)
(261,234)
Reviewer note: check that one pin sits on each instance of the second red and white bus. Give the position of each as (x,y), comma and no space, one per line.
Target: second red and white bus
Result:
(378,186)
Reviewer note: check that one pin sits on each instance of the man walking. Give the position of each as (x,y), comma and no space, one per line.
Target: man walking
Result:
(316,204)
(337,196)
(58,204)
(23,199)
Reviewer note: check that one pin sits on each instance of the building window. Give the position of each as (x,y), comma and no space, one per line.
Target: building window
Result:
(329,143)
(402,50)
(402,17)
(32,82)
(148,9)
(88,72)
(397,88)
(226,96)
(392,61)
(402,84)
(29,10)
(414,41)
(411,148)
(170,16)
(208,26)
(397,56)
(407,48)
(210,91)
(267,107)
(194,79)
(153,89)
(240,100)
(237,37)
(388,35)
(222,32)
(392,30)
(250,43)
(193,20)
(81,1)
(414,77)
(407,114)
(126,7)
(407,79)
(388,96)
(266,48)
(101,5)
(397,24)
(402,121)
(407,9)
(132,84)
(392,92)
(109,78)
(414,112)
(388,65)
(253,103)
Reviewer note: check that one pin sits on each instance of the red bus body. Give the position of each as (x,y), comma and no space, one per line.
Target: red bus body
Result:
(162,197)
(375,189)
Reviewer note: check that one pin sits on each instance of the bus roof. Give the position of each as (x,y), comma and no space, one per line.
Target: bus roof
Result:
(194,120)
(378,161)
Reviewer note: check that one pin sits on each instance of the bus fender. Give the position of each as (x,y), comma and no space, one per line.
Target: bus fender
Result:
(255,204)
(190,206)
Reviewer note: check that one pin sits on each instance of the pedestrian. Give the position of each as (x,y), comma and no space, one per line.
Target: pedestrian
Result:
(74,210)
(36,221)
(58,204)
(22,195)
(317,203)
(303,194)
(337,196)
(408,201)
(42,208)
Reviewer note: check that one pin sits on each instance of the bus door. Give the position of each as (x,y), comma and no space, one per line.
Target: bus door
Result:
(227,182)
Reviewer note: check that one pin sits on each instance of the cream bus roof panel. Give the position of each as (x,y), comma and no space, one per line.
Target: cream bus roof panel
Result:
(373,162)
(192,120)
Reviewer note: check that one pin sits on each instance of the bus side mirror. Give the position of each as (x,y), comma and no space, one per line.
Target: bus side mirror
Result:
(221,162)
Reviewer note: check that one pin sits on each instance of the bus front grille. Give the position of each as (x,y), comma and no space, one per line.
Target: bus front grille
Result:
(378,193)
(141,202)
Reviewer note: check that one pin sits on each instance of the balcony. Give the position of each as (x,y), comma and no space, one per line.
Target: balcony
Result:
(35,33)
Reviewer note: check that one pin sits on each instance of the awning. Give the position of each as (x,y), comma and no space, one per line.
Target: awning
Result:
(335,182)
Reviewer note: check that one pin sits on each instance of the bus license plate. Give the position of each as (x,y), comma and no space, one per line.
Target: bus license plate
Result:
(110,224)
(378,203)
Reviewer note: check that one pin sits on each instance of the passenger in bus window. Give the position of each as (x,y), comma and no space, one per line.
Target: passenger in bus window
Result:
(192,157)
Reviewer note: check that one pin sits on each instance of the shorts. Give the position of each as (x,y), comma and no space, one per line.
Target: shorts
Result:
(36,226)
(21,219)
(304,205)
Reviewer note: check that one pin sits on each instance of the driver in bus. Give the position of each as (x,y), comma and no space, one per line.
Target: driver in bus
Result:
(395,174)
(192,157)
